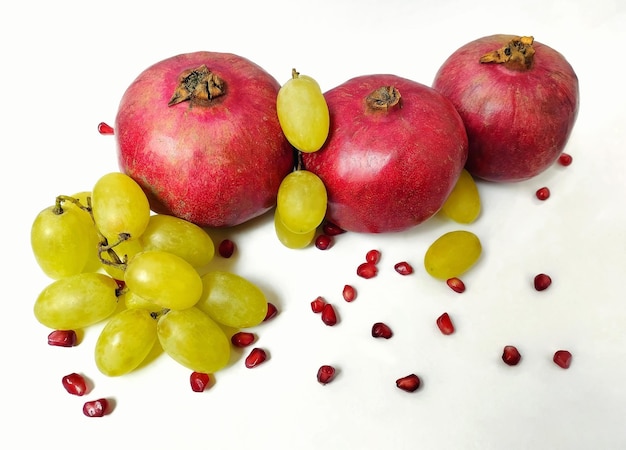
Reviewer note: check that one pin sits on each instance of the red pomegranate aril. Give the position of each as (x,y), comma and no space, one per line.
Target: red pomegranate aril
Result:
(226,248)
(373,256)
(255,357)
(104,128)
(318,304)
(272,311)
(323,242)
(96,408)
(444,322)
(510,355)
(562,358)
(329,315)
(330,229)
(543,193)
(75,384)
(367,270)
(565,159)
(326,374)
(62,338)
(242,339)
(381,330)
(403,268)
(409,383)
(456,284)
(348,293)
(542,282)
(199,381)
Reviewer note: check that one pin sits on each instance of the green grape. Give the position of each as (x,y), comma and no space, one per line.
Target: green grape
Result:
(232,300)
(77,301)
(119,205)
(163,278)
(180,237)
(288,238)
(134,301)
(125,341)
(463,203)
(303,113)
(84,199)
(61,241)
(124,251)
(194,340)
(302,201)
(452,254)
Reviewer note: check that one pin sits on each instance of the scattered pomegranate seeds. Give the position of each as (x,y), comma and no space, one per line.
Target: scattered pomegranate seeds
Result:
(226,248)
(543,193)
(272,311)
(318,304)
(62,338)
(330,229)
(75,384)
(242,339)
(381,330)
(565,159)
(325,374)
(409,383)
(456,284)
(445,324)
(96,408)
(562,358)
(104,128)
(348,293)
(372,256)
(403,268)
(510,355)
(367,270)
(199,381)
(329,316)
(323,242)
(255,357)
(542,282)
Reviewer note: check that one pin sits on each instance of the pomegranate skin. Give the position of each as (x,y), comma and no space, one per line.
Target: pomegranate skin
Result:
(388,170)
(517,121)
(218,165)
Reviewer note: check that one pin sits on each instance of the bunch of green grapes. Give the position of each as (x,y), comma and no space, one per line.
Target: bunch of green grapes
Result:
(112,259)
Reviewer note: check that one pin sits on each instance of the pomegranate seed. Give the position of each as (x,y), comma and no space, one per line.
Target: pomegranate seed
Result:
(317,305)
(75,384)
(445,324)
(562,358)
(199,381)
(349,293)
(255,357)
(226,248)
(409,383)
(330,229)
(271,312)
(367,270)
(242,339)
(323,242)
(104,128)
(456,284)
(543,193)
(96,408)
(542,282)
(326,374)
(329,316)
(373,256)
(62,338)
(403,268)
(381,330)
(565,159)
(510,355)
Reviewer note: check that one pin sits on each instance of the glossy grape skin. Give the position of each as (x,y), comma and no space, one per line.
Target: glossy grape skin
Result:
(463,204)
(125,341)
(288,238)
(302,201)
(303,113)
(76,302)
(194,340)
(232,300)
(452,254)
(163,278)
(178,236)
(134,301)
(84,198)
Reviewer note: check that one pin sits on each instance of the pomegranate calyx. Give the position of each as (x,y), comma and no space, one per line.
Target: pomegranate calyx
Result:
(383,98)
(198,86)
(517,54)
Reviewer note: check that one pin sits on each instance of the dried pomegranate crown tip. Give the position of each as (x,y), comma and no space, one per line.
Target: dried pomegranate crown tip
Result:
(198,86)
(517,54)
(383,98)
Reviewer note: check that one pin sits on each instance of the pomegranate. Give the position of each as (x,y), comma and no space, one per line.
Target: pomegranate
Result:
(519,101)
(394,152)
(199,132)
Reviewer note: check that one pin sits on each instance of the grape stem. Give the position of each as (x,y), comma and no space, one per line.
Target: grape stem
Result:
(113,258)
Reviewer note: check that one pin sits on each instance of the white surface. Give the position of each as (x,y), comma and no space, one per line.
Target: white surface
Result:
(64,70)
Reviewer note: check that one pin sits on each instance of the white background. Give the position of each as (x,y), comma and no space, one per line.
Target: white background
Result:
(65,66)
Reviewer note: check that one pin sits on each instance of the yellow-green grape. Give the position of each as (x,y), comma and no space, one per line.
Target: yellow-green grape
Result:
(288,238)
(77,301)
(119,205)
(452,254)
(163,278)
(232,300)
(178,236)
(194,340)
(125,341)
(463,203)
(134,301)
(61,241)
(84,200)
(303,113)
(124,251)
(302,200)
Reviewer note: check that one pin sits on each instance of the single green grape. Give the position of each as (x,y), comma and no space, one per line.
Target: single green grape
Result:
(134,301)
(301,201)
(463,203)
(77,301)
(125,341)
(194,340)
(180,237)
(287,237)
(119,205)
(452,254)
(163,278)
(125,251)
(232,300)
(303,113)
